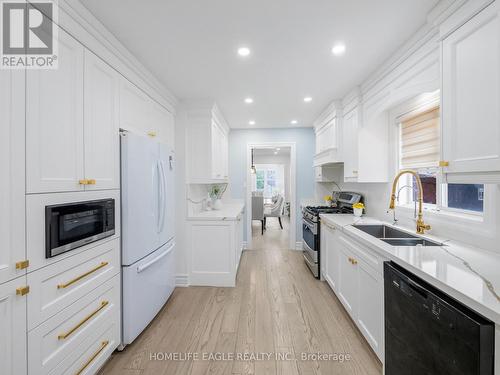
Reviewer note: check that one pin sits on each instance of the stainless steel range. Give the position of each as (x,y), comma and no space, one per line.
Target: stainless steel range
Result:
(343,202)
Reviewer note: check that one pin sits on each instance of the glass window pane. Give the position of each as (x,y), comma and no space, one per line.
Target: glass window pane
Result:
(428,186)
(466,197)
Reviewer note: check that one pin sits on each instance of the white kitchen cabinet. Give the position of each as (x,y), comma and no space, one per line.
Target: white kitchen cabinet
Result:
(471,99)
(327,173)
(207,144)
(13,359)
(101,124)
(163,124)
(348,281)
(215,248)
(350,145)
(330,255)
(328,132)
(12,214)
(142,115)
(54,122)
(370,303)
(355,274)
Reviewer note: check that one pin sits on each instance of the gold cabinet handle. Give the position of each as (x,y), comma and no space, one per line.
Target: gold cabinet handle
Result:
(354,262)
(444,163)
(23,290)
(152,134)
(94,356)
(83,182)
(71,282)
(91,182)
(22,264)
(63,336)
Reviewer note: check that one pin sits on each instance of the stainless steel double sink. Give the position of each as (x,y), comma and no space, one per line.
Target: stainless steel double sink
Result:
(395,237)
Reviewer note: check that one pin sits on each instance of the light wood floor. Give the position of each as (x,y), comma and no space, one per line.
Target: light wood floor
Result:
(276,307)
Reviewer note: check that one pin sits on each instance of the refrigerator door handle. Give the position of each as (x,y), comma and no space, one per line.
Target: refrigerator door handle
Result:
(160,196)
(143,267)
(163,197)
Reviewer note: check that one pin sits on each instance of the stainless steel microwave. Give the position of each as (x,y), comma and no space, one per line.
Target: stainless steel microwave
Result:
(72,225)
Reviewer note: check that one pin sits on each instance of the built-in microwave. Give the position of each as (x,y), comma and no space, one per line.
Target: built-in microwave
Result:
(72,225)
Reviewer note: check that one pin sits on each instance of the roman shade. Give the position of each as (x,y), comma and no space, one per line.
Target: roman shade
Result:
(420,146)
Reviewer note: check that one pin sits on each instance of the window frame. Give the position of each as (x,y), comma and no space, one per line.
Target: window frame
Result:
(409,109)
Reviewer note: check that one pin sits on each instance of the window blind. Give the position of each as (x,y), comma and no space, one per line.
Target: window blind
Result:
(420,145)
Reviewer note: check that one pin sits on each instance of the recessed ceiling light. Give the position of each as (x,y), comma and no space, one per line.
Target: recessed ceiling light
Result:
(248,100)
(275,152)
(251,122)
(293,122)
(338,49)
(244,51)
(308,99)
(277,149)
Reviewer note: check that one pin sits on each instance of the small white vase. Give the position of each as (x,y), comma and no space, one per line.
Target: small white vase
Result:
(216,204)
(358,212)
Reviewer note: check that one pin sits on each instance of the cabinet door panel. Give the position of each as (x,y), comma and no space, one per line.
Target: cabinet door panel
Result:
(333,258)
(471,95)
(348,282)
(370,311)
(54,122)
(13,328)
(102,159)
(134,108)
(12,214)
(350,145)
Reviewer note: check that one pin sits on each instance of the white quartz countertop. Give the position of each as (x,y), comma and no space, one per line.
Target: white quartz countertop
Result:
(468,274)
(229,211)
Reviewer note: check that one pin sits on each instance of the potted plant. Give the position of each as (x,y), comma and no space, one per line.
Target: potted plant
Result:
(358,209)
(215,194)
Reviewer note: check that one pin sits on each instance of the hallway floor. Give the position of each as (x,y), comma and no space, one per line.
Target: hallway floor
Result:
(277,308)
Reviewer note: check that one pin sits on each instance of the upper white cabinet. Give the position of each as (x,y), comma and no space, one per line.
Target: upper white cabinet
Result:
(471,99)
(72,123)
(142,115)
(12,128)
(101,123)
(328,131)
(350,145)
(13,358)
(54,122)
(207,144)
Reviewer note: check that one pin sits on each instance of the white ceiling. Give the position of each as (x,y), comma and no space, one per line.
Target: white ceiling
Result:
(191,47)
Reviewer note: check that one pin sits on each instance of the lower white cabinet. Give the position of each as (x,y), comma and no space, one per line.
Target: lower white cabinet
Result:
(356,276)
(13,327)
(215,248)
(56,287)
(79,338)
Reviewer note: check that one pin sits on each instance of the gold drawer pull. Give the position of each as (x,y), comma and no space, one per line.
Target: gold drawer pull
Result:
(444,163)
(91,182)
(354,262)
(21,265)
(62,286)
(94,356)
(63,336)
(23,290)
(83,182)
(152,134)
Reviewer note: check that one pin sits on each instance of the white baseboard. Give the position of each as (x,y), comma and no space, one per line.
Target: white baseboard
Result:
(182,280)
(245,245)
(298,245)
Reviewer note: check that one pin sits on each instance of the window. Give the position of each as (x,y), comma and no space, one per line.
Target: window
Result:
(269,179)
(420,151)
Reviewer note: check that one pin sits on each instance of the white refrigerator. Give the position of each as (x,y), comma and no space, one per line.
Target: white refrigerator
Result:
(148,263)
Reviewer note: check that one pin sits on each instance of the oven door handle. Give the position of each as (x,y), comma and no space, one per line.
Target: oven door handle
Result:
(313,227)
(306,246)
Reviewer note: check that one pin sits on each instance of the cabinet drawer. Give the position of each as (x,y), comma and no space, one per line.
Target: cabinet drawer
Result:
(87,328)
(370,258)
(57,286)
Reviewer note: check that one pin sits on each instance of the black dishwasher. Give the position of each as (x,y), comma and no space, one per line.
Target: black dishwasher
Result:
(428,332)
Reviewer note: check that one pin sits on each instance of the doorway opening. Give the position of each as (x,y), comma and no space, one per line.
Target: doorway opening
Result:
(271,192)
